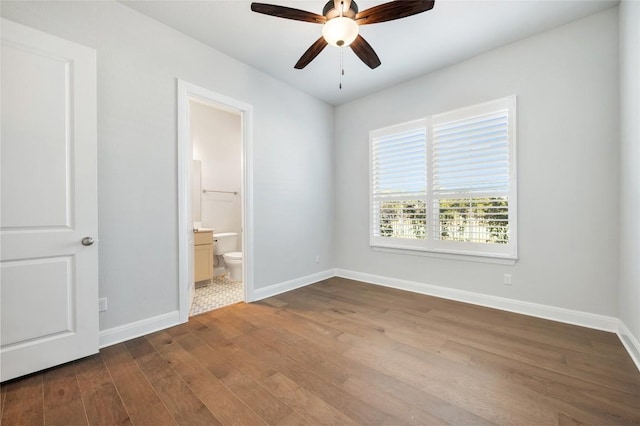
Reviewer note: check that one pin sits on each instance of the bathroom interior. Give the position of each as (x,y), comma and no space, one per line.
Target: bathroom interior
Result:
(216,135)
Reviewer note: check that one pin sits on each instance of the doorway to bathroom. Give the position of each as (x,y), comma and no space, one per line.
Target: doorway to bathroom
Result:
(214,188)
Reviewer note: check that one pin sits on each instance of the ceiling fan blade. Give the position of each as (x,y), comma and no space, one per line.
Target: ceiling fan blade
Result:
(288,13)
(365,52)
(311,53)
(393,10)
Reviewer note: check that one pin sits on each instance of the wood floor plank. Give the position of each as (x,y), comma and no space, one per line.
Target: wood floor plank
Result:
(547,336)
(264,403)
(364,321)
(372,293)
(3,394)
(216,353)
(314,409)
(402,411)
(24,404)
(497,401)
(182,403)
(527,351)
(559,388)
(101,400)
(379,390)
(344,352)
(565,420)
(378,385)
(311,383)
(217,358)
(62,400)
(221,329)
(142,402)
(288,320)
(294,419)
(221,402)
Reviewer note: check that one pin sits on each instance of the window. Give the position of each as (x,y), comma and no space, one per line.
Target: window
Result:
(447,183)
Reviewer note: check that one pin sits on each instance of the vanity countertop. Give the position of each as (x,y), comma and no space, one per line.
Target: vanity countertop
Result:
(202,229)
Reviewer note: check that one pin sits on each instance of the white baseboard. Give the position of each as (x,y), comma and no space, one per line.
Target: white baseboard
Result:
(114,335)
(125,332)
(275,289)
(584,319)
(130,331)
(630,343)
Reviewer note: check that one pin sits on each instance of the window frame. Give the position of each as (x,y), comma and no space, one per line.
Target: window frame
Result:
(432,245)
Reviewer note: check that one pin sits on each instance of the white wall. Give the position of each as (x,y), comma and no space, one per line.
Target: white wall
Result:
(566,81)
(138,63)
(630,165)
(217,143)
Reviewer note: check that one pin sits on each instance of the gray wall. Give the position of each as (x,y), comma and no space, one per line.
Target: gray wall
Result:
(138,62)
(566,81)
(630,165)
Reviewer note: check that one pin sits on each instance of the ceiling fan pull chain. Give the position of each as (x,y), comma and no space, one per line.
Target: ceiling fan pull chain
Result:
(341,49)
(341,65)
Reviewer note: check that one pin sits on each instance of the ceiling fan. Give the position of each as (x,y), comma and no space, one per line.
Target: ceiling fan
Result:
(341,20)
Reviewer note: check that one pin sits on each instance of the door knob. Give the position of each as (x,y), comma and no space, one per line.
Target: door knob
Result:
(87,241)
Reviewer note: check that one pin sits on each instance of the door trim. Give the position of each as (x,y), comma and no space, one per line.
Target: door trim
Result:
(188,91)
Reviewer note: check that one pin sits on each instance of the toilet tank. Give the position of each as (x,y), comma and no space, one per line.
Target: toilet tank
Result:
(225,242)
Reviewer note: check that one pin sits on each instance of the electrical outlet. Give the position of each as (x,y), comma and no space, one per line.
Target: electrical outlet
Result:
(317,258)
(507,279)
(102,304)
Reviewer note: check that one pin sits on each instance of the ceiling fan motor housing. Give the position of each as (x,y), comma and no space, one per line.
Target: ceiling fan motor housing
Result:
(330,11)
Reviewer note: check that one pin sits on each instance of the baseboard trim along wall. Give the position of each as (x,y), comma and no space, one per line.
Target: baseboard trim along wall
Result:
(584,319)
(114,335)
(283,287)
(630,343)
(125,332)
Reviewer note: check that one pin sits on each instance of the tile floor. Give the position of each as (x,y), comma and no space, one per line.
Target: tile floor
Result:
(220,292)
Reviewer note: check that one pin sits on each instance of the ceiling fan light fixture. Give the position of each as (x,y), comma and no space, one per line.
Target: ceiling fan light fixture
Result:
(340,31)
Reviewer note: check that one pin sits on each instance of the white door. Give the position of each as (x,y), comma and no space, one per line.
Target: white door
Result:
(48,278)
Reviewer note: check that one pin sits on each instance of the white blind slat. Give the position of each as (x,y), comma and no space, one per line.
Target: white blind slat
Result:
(472,154)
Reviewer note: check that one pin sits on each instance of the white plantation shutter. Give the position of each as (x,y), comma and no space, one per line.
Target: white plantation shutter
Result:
(462,167)
(399,181)
(471,156)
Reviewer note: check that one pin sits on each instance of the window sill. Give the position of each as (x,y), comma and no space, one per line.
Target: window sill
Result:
(450,256)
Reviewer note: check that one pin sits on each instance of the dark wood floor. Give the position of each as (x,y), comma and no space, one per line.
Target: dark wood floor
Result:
(342,352)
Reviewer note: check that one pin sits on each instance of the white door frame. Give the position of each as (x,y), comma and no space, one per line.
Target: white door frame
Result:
(188,91)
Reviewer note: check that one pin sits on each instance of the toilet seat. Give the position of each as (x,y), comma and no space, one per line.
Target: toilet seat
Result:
(234,255)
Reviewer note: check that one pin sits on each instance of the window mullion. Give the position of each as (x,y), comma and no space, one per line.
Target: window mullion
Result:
(432,218)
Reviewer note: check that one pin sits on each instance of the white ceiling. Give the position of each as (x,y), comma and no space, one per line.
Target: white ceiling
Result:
(452,31)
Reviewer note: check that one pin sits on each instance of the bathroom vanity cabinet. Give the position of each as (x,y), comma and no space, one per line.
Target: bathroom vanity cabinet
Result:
(203,256)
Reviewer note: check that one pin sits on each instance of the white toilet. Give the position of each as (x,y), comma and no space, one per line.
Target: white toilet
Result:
(224,244)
